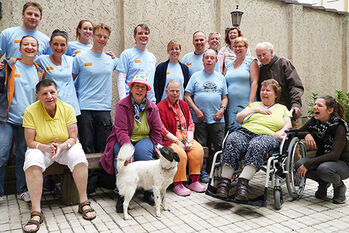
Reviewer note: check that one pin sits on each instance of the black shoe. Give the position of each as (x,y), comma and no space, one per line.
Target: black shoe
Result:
(339,194)
(321,192)
(119,205)
(149,198)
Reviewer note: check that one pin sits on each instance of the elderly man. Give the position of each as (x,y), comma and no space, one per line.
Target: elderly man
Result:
(137,60)
(283,71)
(194,59)
(10,37)
(206,93)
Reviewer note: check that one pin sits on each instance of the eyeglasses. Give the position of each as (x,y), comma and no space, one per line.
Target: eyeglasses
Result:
(239,47)
(142,87)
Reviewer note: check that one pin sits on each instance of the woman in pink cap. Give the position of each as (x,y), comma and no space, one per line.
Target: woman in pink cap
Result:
(137,121)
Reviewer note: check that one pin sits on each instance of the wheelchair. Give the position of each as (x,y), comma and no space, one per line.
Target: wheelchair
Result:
(279,169)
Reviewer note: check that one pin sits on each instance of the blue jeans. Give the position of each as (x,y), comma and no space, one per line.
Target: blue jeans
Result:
(7,131)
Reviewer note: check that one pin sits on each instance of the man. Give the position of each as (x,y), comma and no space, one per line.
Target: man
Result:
(283,71)
(136,60)
(206,94)
(10,37)
(93,72)
(214,40)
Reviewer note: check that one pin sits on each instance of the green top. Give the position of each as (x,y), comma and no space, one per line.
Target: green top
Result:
(140,130)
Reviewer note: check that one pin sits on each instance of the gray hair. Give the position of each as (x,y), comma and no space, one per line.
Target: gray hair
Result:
(173,81)
(214,33)
(209,50)
(266,45)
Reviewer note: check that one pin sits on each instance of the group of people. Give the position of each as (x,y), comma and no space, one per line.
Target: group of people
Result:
(186,105)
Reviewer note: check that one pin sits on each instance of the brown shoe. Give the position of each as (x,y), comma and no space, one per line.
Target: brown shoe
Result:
(242,190)
(223,187)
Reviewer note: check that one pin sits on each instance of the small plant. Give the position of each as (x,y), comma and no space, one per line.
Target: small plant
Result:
(342,98)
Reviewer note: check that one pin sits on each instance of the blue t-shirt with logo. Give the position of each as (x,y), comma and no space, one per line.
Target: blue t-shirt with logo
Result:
(94,81)
(207,91)
(75,47)
(174,72)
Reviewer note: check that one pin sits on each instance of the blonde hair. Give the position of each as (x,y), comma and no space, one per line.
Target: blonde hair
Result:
(240,39)
(173,43)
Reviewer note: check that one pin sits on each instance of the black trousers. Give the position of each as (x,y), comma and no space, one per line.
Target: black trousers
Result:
(94,128)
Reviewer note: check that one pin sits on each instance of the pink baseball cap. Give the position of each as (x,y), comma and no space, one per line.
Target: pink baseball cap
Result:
(140,78)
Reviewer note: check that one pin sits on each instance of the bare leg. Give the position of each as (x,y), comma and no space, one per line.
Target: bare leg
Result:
(34,180)
(80,175)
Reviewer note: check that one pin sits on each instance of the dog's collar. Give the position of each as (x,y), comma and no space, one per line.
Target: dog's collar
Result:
(166,169)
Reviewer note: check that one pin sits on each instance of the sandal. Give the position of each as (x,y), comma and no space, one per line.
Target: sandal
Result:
(34,222)
(87,210)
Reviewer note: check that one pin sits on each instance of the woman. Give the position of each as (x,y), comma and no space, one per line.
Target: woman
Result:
(137,121)
(170,69)
(51,134)
(58,68)
(242,80)
(263,127)
(226,54)
(83,36)
(17,88)
(328,133)
(178,133)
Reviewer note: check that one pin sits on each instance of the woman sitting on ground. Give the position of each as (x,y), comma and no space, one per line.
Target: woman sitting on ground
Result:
(137,121)
(328,133)
(178,133)
(263,126)
(50,131)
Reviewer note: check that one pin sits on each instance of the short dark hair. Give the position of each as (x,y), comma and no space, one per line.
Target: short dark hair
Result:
(141,25)
(44,83)
(37,42)
(275,85)
(33,4)
(58,32)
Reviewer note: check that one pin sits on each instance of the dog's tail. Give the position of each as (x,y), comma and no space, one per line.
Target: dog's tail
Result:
(125,154)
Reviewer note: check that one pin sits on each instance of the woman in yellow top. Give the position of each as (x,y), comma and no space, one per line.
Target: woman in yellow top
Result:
(263,126)
(50,131)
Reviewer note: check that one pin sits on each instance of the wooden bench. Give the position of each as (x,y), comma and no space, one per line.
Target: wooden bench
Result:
(70,195)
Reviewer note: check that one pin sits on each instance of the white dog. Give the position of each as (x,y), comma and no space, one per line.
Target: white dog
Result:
(152,174)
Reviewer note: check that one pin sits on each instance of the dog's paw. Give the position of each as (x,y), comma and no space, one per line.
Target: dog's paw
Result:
(127,217)
(158,214)
(166,208)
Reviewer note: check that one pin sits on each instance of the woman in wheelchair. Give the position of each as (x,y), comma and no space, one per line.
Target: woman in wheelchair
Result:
(328,133)
(263,126)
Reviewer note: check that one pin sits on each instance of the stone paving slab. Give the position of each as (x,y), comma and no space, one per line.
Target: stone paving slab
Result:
(195,213)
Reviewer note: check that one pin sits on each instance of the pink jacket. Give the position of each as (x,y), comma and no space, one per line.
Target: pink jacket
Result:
(123,128)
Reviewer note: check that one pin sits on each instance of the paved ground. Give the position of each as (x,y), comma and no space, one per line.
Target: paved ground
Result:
(196,213)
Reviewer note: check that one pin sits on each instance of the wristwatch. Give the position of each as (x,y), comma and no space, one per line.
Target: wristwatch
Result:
(68,145)
(224,108)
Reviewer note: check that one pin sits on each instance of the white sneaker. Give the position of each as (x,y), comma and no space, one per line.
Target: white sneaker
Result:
(24,197)
(1,198)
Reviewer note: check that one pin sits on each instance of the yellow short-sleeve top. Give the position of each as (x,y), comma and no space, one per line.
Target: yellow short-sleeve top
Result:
(47,129)
(260,123)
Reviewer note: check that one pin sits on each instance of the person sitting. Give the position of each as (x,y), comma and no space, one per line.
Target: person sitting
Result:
(263,126)
(178,133)
(328,133)
(50,131)
(137,121)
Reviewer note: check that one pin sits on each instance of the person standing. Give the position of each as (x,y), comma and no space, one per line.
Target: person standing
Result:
(93,72)
(136,60)
(10,38)
(83,36)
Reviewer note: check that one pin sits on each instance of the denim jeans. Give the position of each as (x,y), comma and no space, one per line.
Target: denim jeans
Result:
(7,131)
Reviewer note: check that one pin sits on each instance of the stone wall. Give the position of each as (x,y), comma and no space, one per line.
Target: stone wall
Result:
(315,40)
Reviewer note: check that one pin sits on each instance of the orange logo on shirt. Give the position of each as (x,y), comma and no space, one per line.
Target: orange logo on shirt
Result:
(49,68)
(188,64)
(138,61)
(17,41)
(17,76)
(167,73)
(77,51)
(88,64)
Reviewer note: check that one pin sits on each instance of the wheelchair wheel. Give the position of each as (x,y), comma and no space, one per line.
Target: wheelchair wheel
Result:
(295,184)
(277,199)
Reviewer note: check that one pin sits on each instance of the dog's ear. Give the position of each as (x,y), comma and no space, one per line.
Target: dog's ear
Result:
(176,157)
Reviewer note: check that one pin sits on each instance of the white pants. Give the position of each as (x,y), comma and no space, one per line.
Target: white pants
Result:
(70,158)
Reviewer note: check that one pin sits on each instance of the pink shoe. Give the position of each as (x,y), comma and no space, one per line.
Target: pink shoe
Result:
(197,187)
(181,190)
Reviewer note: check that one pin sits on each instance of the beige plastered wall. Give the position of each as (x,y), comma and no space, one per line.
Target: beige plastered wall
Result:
(315,41)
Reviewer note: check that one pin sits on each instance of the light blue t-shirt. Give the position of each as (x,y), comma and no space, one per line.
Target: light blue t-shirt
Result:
(62,75)
(195,63)
(75,47)
(207,91)
(174,71)
(11,37)
(135,61)
(26,78)
(94,81)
